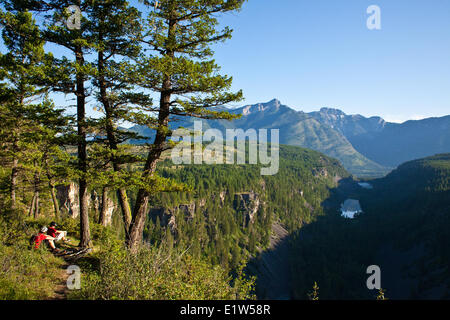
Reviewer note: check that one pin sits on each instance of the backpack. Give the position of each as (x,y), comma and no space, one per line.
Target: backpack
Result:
(32,240)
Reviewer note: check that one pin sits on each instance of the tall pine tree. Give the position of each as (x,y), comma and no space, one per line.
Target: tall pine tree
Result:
(184,74)
(24,109)
(71,77)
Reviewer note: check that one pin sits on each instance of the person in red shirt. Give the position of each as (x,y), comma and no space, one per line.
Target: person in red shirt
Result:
(42,236)
(57,234)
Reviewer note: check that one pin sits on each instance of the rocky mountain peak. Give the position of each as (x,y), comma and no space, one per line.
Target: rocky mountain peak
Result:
(332,111)
(272,105)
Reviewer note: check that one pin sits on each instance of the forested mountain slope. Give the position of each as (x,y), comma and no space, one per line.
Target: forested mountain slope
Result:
(403,229)
(229,215)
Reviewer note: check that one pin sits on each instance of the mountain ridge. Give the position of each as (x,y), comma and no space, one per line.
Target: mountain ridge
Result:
(366,146)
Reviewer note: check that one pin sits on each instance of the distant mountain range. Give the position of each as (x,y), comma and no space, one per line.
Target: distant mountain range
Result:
(365,146)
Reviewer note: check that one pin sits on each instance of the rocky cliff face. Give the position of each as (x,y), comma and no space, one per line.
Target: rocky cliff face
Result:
(161,213)
(109,210)
(188,210)
(68,199)
(167,216)
(348,125)
(247,204)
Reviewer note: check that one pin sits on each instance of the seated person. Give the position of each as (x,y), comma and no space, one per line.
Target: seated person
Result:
(57,234)
(42,236)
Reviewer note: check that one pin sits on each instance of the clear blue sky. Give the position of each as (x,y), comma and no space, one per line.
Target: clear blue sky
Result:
(319,53)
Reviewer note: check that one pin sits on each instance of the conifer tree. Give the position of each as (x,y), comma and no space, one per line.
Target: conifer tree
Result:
(116,32)
(24,109)
(183,73)
(70,77)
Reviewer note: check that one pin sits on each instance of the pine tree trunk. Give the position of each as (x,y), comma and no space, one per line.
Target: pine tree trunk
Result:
(14,174)
(121,193)
(32,204)
(36,205)
(55,201)
(85,236)
(134,237)
(96,205)
(102,217)
(52,191)
(36,193)
(125,206)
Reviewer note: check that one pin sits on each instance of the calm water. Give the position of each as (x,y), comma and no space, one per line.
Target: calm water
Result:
(365,185)
(350,207)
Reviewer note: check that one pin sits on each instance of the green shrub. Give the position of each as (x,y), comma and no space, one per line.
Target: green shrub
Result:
(157,274)
(27,274)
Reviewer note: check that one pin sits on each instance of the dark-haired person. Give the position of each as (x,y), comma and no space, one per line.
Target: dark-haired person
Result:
(57,234)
